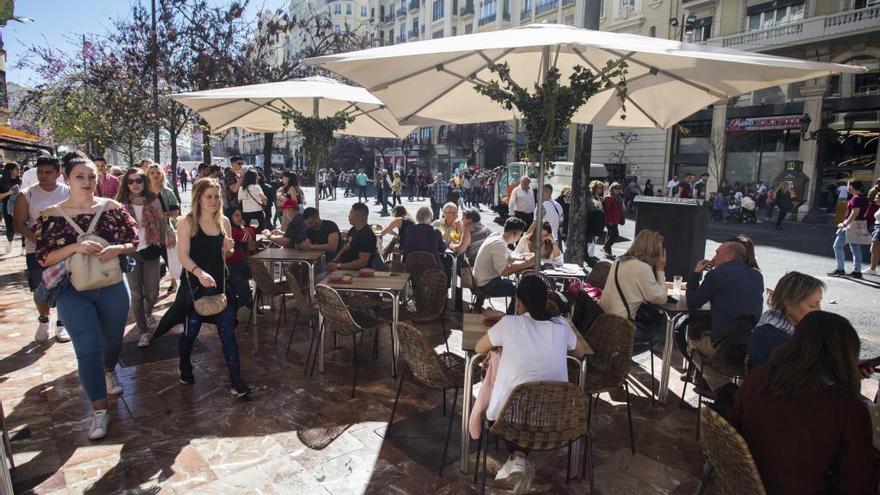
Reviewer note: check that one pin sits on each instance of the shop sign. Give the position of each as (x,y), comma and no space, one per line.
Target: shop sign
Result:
(794,166)
(764,123)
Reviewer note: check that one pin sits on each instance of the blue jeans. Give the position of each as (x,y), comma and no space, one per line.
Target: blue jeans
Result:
(840,256)
(95,320)
(240,276)
(502,287)
(225,322)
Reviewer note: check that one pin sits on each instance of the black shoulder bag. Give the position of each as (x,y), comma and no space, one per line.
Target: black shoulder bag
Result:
(649,317)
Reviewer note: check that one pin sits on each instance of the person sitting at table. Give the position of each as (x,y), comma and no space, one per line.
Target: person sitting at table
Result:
(749,244)
(473,235)
(534,345)
(240,275)
(735,292)
(423,237)
(402,222)
(641,275)
(494,261)
(449,226)
(796,294)
(322,235)
(802,414)
(295,233)
(360,251)
(549,247)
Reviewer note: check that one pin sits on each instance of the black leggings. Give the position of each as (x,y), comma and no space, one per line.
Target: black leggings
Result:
(10,228)
(611,237)
(255,215)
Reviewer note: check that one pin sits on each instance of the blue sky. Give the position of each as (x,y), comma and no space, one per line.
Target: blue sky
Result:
(59,22)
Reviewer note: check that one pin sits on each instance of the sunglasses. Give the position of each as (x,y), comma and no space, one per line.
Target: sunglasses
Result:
(135,181)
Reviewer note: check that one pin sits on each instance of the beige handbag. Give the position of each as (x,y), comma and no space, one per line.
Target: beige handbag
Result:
(86,271)
(214,304)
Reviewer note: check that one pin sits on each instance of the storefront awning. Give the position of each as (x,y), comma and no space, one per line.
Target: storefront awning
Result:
(16,140)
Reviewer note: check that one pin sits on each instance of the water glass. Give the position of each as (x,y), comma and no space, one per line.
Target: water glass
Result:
(676,286)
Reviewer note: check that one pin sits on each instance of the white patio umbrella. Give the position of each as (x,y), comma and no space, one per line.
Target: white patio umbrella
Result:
(258,107)
(666,82)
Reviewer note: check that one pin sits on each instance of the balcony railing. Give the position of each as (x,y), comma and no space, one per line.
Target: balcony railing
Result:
(413,34)
(809,29)
(466,10)
(526,12)
(542,8)
(567,2)
(413,5)
(486,20)
(505,16)
(401,12)
(389,17)
(401,39)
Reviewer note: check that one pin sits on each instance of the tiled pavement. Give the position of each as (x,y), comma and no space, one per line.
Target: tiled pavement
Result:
(295,435)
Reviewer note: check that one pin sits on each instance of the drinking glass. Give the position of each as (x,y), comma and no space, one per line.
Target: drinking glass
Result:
(676,286)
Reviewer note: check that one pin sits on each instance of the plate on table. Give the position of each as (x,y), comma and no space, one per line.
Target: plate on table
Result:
(366,272)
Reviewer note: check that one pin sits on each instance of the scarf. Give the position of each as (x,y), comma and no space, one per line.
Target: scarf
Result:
(777,319)
(151,219)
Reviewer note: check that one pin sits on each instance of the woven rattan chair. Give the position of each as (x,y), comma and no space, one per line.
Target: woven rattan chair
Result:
(468,281)
(302,307)
(697,363)
(394,266)
(611,338)
(599,274)
(532,273)
(732,464)
(435,371)
(428,303)
(417,262)
(541,415)
(267,286)
(339,319)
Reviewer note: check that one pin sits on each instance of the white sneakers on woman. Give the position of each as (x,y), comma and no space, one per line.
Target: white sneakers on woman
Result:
(100,423)
(113,386)
(519,471)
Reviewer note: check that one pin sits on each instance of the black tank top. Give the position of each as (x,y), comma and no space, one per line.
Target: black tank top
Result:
(206,251)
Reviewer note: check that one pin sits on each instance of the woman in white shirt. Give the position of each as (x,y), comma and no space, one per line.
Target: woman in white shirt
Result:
(549,247)
(252,200)
(641,275)
(534,347)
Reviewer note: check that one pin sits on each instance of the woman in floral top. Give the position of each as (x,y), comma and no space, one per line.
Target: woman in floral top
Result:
(95,318)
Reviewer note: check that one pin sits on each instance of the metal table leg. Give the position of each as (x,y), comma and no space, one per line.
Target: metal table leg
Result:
(395,345)
(667,359)
(467,396)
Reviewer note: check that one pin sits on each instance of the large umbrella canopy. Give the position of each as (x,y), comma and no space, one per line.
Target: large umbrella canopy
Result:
(258,107)
(667,80)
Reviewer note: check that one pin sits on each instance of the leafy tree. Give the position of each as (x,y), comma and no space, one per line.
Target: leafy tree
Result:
(381,146)
(474,138)
(347,153)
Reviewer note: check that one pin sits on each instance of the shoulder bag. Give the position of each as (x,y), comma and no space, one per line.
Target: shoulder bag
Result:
(215,303)
(648,317)
(86,271)
(857,233)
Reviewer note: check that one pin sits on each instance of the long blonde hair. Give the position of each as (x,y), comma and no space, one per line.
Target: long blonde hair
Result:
(647,247)
(198,189)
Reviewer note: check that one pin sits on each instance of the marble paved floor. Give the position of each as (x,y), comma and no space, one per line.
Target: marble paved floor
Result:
(294,435)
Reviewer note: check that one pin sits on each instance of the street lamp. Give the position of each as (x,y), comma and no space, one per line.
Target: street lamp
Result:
(686,23)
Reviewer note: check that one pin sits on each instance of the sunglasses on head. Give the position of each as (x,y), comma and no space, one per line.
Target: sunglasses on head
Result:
(135,181)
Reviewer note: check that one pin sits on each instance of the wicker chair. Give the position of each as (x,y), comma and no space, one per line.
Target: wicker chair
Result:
(729,457)
(302,307)
(468,281)
(599,274)
(417,262)
(541,415)
(435,371)
(394,266)
(428,303)
(267,286)
(697,363)
(339,319)
(611,338)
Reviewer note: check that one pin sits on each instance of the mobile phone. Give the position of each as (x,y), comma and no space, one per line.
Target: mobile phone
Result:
(871,363)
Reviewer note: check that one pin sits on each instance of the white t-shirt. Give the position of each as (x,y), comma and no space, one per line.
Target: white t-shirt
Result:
(142,230)
(672,187)
(522,201)
(842,192)
(250,198)
(491,259)
(877,217)
(532,351)
(553,214)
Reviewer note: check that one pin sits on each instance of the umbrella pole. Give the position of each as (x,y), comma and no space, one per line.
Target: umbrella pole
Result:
(539,204)
(315,115)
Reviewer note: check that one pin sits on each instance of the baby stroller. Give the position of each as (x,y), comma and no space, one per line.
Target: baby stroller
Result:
(746,212)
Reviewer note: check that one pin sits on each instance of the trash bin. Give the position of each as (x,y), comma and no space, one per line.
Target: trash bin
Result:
(682,223)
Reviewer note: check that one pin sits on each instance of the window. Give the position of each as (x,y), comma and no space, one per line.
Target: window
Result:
(348,8)
(402,31)
(415,27)
(468,28)
(337,8)
(454,31)
(364,10)
(702,30)
(845,85)
(488,9)
(372,12)
(768,14)
(438,9)
(437,34)
(652,32)
(425,135)
(337,28)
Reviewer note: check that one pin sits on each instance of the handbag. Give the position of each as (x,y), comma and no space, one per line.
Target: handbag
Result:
(86,271)
(215,303)
(648,317)
(857,233)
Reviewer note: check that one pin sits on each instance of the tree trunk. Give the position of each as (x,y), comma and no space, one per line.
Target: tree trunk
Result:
(268,141)
(174,174)
(206,142)
(576,242)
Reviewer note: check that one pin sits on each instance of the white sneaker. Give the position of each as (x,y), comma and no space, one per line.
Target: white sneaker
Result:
(113,386)
(42,334)
(145,340)
(515,465)
(61,334)
(100,422)
(870,272)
